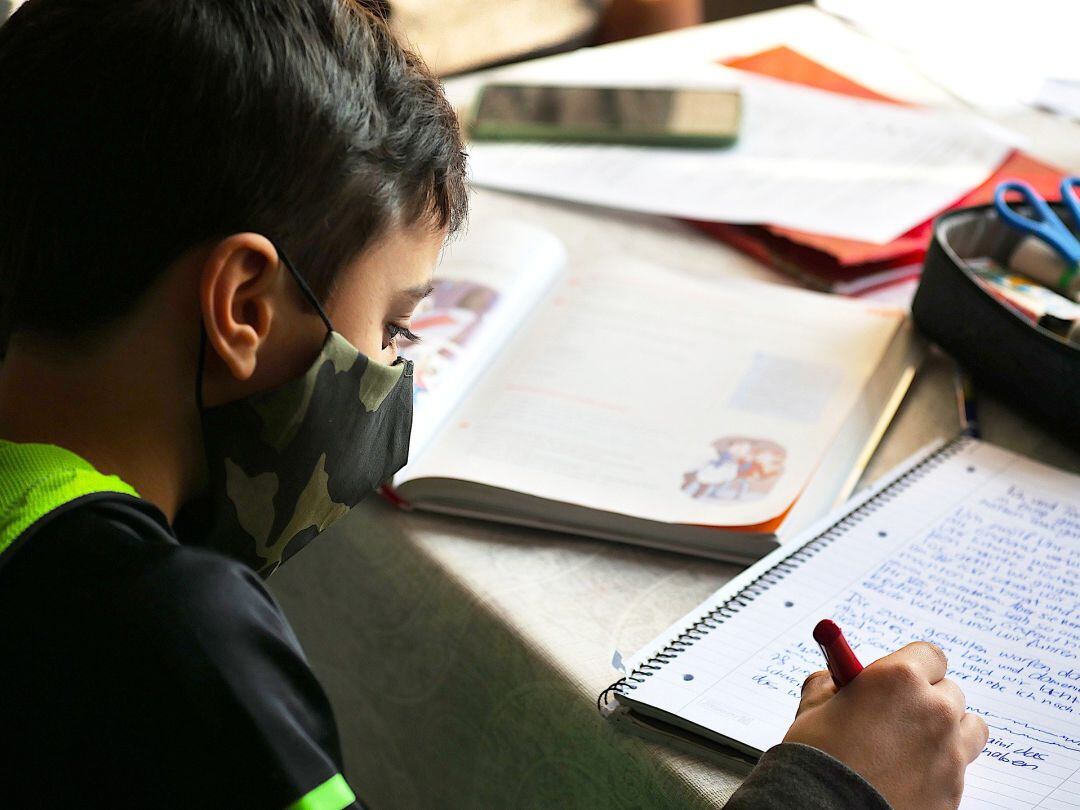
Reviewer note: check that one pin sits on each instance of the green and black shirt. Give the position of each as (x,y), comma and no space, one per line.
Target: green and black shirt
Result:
(137,672)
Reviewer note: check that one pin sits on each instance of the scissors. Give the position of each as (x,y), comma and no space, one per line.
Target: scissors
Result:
(1046,225)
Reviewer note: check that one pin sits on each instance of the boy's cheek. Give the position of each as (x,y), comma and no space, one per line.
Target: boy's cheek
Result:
(369,341)
(357,322)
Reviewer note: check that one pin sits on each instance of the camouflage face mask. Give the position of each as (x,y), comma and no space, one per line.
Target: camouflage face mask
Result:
(285,464)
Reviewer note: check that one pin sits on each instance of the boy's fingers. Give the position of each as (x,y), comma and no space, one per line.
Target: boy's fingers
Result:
(952,694)
(922,657)
(973,735)
(816,689)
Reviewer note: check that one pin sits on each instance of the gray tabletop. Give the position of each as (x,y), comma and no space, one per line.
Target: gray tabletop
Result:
(463,659)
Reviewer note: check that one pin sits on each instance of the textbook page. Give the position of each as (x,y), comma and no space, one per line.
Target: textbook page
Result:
(805,159)
(979,555)
(641,390)
(485,285)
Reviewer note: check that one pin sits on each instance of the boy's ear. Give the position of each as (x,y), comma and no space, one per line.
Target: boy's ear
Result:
(236,299)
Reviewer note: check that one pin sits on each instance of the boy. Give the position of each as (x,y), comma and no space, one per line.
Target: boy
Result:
(216,218)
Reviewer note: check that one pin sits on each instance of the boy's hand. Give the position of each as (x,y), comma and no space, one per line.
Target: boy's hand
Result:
(900,724)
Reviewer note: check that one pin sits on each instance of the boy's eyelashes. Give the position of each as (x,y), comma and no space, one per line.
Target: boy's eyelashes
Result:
(395,330)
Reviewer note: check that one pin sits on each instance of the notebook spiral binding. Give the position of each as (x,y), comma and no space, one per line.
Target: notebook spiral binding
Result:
(721,613)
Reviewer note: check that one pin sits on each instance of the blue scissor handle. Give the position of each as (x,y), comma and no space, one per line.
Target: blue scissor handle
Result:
(1047,227)
(1069,185)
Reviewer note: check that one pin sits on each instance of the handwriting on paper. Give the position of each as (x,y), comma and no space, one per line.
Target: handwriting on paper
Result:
(995,584)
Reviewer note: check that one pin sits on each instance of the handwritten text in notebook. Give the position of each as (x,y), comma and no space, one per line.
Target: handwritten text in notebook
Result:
(981,555)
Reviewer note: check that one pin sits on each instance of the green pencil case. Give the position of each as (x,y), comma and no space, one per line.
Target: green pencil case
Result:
(1006,353)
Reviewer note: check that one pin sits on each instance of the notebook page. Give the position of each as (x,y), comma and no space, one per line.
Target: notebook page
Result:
(979,554)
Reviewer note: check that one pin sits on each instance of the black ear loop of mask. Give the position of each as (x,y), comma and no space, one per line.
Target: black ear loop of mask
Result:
(304,288)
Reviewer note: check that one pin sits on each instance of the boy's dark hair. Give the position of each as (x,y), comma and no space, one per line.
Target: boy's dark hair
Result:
(133,130)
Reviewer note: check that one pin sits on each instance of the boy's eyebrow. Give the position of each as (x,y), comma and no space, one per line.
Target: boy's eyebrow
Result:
(419,292)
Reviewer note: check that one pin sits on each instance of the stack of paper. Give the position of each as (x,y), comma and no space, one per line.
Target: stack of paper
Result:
(848,266)
(806,159)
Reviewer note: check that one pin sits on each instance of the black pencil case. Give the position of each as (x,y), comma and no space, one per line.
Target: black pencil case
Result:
(1006,354)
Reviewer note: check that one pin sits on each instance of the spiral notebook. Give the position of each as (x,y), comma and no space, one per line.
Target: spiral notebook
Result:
(969,546)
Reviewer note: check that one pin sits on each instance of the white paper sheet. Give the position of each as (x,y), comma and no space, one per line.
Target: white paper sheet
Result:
(979,557)
(994,55)
(1061,96)
(805,159)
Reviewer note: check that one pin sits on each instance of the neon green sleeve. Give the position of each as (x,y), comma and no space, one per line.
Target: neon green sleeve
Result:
(333,794)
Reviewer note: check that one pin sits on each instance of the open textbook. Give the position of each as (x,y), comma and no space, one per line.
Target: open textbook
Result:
(640,403)
(971,547)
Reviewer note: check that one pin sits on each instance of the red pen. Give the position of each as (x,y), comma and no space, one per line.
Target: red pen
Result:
(842,663)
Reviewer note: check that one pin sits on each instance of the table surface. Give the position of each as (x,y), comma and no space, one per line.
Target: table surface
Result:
(463,659)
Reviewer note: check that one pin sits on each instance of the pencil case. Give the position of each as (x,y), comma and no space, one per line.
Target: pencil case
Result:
(1006,353)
